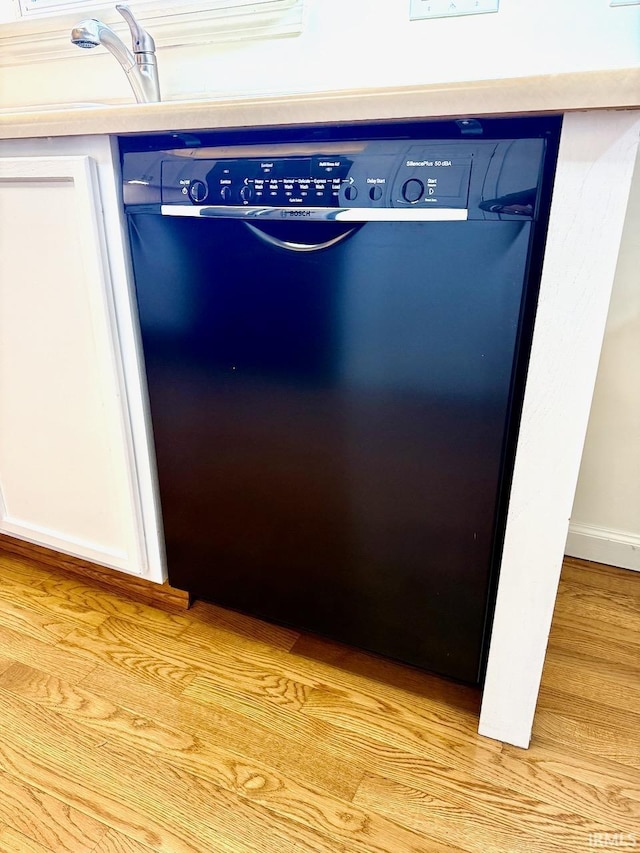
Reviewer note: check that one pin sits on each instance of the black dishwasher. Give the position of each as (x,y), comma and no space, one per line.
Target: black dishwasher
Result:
(336,326)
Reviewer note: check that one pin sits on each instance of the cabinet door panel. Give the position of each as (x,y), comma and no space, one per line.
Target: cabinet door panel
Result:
(65,469)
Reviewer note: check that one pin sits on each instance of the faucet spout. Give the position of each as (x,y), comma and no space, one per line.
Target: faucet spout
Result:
(140,66)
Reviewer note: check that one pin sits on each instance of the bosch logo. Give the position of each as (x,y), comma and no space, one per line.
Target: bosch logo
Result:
(287,213)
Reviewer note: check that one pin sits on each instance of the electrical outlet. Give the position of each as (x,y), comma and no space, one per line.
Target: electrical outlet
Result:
(451,8)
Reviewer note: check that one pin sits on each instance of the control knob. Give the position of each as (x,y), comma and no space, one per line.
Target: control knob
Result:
(246,193)
(412,190)
(225,193)
(197,191)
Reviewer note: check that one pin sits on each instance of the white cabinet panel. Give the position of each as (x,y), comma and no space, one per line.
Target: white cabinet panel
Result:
(65,467)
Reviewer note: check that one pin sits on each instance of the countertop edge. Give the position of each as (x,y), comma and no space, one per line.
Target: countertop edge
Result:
(613,89)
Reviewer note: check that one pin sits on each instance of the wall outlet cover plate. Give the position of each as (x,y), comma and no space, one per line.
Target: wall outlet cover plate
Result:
(450,8)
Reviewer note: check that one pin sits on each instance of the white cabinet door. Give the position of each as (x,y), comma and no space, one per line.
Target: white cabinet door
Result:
(67,466)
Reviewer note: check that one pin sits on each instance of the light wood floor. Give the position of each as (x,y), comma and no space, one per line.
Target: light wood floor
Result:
(128,729)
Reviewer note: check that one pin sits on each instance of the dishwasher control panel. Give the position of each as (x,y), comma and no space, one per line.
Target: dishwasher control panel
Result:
(472,178)
(421,176)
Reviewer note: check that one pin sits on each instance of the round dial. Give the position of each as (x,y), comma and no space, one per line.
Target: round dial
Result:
(246,193)
(350,192)
(225,193)
(197,191)
(412,190)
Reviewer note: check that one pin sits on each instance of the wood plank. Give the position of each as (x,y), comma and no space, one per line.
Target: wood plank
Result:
(615,687)
(211,761)
(573,782)
(98,714)
(542,779)
(44,756)
(40,601)
(45,819)
(110,720)
(34,623)
(103,645)
(297,727)
(253,781)
(205,616)
(451,764)
(270,688)
(81,600)
(115,842)
(282,739)
(20,569)
(613,614)
(498,828)
(134,587)
(436,719)
(222,662)
(592,643)
(15,842)
(527,781)
(397,724)
(147,800)
(21,648)
(567,723)
(600,577)
(424,688)
(219,664)
(89,597)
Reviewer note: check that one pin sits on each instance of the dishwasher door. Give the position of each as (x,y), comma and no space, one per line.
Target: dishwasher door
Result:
(330,407)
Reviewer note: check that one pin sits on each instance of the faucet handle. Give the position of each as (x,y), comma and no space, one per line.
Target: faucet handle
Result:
(142,41)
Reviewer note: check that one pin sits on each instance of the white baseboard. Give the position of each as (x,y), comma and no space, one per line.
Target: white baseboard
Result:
(614,547)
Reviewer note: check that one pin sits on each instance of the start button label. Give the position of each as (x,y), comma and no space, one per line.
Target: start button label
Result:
(425,179)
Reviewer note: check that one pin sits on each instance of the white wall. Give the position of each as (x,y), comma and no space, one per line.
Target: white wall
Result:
(359,43)
(370,43)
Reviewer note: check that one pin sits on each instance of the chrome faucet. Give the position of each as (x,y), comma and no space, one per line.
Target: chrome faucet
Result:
(140,66)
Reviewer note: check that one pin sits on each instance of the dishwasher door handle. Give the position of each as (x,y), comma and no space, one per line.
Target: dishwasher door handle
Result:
(290,246)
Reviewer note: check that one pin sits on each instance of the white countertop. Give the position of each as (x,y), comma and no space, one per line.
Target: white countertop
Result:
(614,89)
